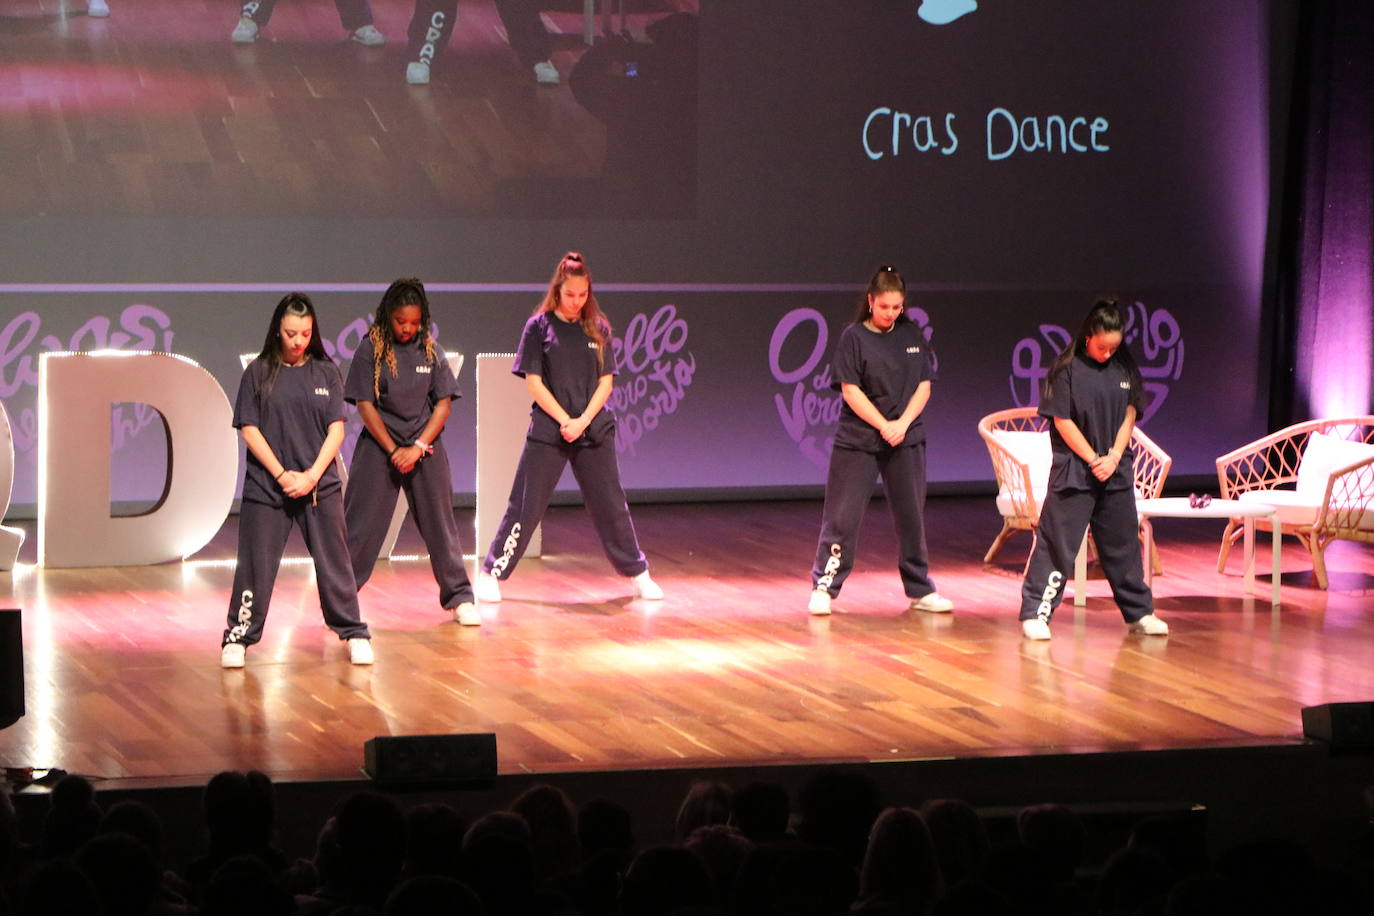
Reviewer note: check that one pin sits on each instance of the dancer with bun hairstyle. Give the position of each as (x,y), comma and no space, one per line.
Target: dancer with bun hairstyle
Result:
(883,369)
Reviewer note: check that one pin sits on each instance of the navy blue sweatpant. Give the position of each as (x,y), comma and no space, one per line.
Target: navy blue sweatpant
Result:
(1066,515)
(848,489)
(598,477)
(354,14)
(263,531)
(433,22)
(373,483)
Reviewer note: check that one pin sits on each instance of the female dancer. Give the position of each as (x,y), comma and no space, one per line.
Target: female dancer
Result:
(290,413)
(433,22)
(882,367)
(402,386)
(354,15)
(1092,393)
(565,358)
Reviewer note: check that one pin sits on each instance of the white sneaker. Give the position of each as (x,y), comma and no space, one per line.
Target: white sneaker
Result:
(1035,628)
(245,33)
(935,603)
(231,655)
(99,9)
(545,73)
(467,614)
(360,651)
(646,587)
(368,36)
(819,605)
(487,589)
(1150,625)
(417,73)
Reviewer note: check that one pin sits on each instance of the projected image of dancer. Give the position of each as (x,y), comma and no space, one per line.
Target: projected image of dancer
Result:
(290,412)
(883,369)
(565,358)
(354,15)
(433,22)
(1093,396)
(402,386)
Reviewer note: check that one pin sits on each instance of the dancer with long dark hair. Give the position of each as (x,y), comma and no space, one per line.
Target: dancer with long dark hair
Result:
(290,412)
(1092,396)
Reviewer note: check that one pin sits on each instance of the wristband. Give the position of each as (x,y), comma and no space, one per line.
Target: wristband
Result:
(278,477)
(393,451)
(424,446)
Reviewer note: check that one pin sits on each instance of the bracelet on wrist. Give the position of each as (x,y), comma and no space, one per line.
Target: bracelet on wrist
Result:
(278,477)
(393,451)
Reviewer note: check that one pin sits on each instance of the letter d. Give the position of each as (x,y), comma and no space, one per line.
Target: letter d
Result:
(75,393)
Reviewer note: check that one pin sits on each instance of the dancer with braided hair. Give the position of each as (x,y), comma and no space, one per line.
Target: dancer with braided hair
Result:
(403,389)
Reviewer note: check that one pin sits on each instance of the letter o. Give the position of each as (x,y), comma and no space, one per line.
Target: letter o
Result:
(780,334)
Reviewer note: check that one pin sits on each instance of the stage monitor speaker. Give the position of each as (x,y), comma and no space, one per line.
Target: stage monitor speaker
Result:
(401,761)
(11,668)
(1345,726)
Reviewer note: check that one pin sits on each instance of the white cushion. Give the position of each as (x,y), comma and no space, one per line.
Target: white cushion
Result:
(1323,455)
(1295,509)
(1032,449)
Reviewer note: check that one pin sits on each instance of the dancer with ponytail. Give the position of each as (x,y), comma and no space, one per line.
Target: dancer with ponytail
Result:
(884,370)
(565,359)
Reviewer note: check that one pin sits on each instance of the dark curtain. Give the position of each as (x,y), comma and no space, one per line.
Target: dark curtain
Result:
(1324,308)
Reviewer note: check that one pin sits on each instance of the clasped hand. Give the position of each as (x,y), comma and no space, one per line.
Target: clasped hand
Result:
(1104,466)
(405,458)
(573,429)
(296,484)
(893,431)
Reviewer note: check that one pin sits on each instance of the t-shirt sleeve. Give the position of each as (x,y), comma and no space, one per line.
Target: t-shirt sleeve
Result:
(334,381)
(928,372)
(529,356)
(1056,396)
(847,364)
(442,383)
(246,403)
(1136,398)
(359,384)
(609,362)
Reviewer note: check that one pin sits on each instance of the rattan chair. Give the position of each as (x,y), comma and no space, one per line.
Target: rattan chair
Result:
(1322,487)
(1018,443)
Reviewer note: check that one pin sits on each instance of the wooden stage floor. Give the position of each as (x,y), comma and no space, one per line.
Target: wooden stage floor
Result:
(571,674)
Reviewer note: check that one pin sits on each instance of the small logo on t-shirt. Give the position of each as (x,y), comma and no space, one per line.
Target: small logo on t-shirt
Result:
(913,349)
(322,392)
(591,345)
(1126,385)
(424,369)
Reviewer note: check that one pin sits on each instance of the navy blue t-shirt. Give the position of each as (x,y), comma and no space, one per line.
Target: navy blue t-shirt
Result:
(1095,397)
(294,418)
(562,354)
(407,399)
(888,367)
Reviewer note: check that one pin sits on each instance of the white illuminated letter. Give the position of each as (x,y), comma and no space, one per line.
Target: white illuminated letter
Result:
(10,538)
(75,394)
